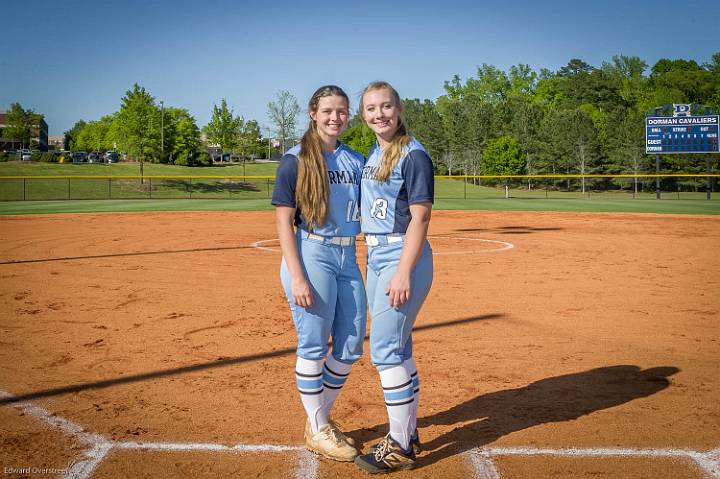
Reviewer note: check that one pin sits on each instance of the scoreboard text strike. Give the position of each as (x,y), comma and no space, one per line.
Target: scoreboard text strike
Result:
(681,134)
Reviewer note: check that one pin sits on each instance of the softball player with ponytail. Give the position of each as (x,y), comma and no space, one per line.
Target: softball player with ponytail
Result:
(316,195)
(397,195)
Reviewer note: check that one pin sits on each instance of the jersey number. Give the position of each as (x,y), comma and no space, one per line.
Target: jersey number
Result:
(379,209)
(353,212)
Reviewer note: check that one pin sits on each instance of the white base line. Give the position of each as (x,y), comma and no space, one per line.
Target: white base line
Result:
(481,459)
(709,461)
(308,466)
(209,447)
(482,464)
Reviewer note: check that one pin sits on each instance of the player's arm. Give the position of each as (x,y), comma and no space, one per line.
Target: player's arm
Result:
(398,290)
(417,171)
(285,221)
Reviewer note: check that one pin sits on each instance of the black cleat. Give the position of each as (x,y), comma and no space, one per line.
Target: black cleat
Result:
(387,456)
(414,442)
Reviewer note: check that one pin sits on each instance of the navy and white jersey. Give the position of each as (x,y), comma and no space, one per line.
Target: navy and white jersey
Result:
(386,205)
(344,167)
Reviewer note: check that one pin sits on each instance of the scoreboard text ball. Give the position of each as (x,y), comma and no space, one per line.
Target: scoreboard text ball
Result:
(683,134)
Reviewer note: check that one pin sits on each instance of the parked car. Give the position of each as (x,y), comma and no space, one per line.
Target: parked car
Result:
(93,157)
(112,156)
(79,157)
(25,154)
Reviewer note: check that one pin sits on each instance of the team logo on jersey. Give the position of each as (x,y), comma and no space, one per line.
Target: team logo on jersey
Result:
(369,172)
(343,177)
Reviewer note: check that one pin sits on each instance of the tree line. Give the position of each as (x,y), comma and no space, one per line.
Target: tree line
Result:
(148,131)
(579,119)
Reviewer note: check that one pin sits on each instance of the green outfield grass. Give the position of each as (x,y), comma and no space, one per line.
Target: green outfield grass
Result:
(117,206)
(181,193)
(513,204)
(31,168)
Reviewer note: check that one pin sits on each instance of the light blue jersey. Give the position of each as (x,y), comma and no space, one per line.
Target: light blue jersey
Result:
(344,167)
(386,205)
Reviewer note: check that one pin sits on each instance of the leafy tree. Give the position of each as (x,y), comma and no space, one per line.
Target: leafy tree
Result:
(96,135)
(71,135)
(224,128)
(283,113)
(629,73)
(503,156)
(20,124)
(425,124)
(186,138)
(521,118)
(575,67)
(626,143)
(575,128)
(250,141)
(138,125)
(358,136)
(522,81)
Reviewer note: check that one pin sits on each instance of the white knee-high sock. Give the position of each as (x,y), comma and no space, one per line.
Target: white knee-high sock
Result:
(335,374)
(308,376)
(411,368)
(398,391)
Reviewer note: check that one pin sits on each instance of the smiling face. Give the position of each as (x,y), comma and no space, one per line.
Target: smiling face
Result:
(331,117)
(381,112)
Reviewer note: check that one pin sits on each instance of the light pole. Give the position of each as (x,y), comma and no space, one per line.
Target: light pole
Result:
(162,130)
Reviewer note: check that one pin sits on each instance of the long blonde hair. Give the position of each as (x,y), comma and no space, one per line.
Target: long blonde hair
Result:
(312,190)
(392,154)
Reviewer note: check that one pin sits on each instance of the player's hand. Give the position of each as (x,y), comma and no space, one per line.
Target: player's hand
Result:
(398,290)
(302,294)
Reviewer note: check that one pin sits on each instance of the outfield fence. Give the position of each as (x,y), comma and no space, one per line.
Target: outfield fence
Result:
(621,186)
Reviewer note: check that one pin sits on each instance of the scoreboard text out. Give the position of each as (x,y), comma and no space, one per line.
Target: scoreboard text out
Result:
(683,134)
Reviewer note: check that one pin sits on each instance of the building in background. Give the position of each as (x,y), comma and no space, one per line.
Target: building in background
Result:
(38,139)
(56,142)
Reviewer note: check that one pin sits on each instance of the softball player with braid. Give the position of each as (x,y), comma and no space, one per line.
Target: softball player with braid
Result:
(317,190)
(397,195)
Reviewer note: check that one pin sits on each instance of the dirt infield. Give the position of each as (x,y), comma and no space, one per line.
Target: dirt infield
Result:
(551,345)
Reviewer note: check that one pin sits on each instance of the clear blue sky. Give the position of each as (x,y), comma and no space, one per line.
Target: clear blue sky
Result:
(73,60)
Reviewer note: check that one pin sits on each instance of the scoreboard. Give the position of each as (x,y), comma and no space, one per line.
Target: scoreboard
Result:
(681,134)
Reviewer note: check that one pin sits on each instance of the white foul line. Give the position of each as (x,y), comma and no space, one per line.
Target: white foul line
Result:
(482,464)
(709,461)
(101,446)
(480,458)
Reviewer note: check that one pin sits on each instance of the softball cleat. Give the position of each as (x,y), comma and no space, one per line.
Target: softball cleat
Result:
(414,442)
(345,438)
(327,442)
(388,456)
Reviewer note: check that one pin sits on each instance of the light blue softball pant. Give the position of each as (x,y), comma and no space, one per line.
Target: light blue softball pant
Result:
(338,308)
(390,329)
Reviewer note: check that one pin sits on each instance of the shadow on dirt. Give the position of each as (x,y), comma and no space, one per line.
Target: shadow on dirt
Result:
(488,417)
(218,363)
(120,255)
(508,230)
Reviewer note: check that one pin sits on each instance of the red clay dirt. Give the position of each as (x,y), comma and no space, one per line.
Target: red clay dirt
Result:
(594,331)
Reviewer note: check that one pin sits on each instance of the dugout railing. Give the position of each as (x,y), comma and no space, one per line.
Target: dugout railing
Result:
(620,186)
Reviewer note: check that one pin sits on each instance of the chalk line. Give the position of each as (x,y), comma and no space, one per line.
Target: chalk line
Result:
(708,462)
(482,465)
(504,245)
(209,447)
(308,465)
